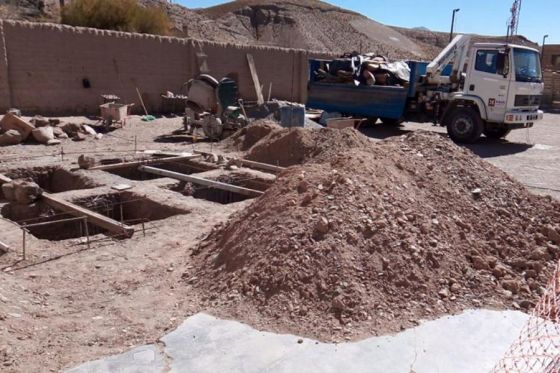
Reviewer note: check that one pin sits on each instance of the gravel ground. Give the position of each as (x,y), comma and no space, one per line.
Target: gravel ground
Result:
(532,156)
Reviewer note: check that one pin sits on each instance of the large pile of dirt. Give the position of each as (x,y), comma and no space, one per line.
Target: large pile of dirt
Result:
(290,146)
(376,239)
(246,137)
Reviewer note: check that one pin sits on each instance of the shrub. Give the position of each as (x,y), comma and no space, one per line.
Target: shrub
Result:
(120,15)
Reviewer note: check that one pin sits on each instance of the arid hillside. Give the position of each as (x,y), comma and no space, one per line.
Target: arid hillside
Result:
(307,24)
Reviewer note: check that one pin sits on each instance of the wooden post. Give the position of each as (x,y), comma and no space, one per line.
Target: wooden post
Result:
(141,101)
(87,231)
(255,77)
(23,242)
(202,181)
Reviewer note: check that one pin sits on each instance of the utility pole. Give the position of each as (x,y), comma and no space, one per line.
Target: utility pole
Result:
(453,23)
(542,47)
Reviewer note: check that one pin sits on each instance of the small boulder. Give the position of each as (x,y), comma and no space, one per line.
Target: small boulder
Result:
(479,263)
(43,134)
(86,161)
(8,191)
(13,122)
(14,111)
(88,130)
(71,129)
(22,191)
(10,137)
(553,234)
(39,121)
(322,226)
(79,137)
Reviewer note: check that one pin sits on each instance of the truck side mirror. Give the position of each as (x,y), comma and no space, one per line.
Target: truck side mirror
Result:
(502,64)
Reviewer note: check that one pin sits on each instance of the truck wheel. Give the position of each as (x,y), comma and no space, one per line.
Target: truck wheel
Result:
(391,122)
(464,125)
(496,133)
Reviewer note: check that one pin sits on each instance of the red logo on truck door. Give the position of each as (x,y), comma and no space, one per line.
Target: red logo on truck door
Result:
(491,102)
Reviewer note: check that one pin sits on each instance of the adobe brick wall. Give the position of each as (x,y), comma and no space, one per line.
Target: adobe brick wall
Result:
(42,67)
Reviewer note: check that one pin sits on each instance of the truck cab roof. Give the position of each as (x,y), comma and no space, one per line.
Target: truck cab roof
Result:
(503,45)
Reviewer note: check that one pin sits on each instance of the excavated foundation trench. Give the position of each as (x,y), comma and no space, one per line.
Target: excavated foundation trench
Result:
(128,208)
(52,179)
(223,197)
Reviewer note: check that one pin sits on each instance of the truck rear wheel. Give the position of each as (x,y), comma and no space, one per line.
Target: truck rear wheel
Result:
(496,133)
(464,125)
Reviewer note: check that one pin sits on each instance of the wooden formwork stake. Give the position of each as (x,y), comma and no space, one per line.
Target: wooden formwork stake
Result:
(87,231)
(23,254)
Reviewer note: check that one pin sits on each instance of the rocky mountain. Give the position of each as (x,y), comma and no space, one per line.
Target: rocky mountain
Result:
(306,24)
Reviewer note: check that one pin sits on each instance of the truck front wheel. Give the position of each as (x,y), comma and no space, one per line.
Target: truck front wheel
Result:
(464,125)
(496,133)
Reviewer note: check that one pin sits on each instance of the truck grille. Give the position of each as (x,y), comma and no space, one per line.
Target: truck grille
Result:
(527,100)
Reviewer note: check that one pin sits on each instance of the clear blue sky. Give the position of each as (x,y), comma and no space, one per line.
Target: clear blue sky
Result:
(538,17)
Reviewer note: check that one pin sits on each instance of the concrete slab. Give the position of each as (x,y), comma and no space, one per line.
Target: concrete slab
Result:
(142,359)
(470,342)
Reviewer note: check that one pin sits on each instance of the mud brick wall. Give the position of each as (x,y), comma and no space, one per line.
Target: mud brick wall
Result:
(551,88)
(43,68)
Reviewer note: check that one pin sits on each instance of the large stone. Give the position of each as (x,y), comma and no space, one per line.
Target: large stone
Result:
(87,129)
(86,161)
(59,133)
(13,122)
(71,129)
(79,137)
(10,137)
(43,134)
(553,234)
(8,191)
(26,192)
(39,121)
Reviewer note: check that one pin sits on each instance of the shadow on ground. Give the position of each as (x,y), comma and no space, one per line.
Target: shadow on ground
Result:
(488,148)
(484,148)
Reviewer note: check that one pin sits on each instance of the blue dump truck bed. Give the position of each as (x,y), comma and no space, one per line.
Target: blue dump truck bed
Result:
(376,101)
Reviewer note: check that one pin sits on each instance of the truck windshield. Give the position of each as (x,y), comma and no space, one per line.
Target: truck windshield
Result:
(527,65)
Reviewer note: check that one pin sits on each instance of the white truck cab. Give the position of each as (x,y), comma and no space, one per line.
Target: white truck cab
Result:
(494,88)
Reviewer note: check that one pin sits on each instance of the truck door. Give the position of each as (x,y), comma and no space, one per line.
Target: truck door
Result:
(488,79)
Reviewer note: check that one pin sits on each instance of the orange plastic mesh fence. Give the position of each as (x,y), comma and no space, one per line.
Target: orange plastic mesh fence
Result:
(537,349)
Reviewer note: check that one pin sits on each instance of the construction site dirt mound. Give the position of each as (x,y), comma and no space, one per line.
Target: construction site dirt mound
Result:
(290,146)
(246,137)
(377,239)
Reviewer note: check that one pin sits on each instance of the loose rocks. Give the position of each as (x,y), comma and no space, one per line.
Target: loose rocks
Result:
(375,235)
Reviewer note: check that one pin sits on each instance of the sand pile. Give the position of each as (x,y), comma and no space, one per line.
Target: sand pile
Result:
(290,146)
(377,239)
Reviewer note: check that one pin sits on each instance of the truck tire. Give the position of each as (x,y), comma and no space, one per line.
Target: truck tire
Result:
(391,122)
(464,125)
(496,133)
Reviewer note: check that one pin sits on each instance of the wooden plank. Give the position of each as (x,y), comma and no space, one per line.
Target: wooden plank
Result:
(4,247)
(4,179)
(255,76)
(252,164)
(144,162)
(94,218)
(201,181)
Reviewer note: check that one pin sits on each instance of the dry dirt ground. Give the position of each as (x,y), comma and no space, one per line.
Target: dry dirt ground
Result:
(67,304)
